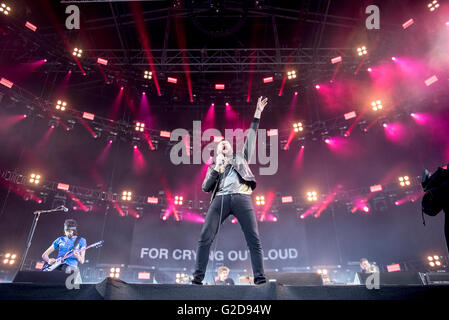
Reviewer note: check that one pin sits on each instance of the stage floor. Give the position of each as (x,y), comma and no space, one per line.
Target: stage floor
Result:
(111,289)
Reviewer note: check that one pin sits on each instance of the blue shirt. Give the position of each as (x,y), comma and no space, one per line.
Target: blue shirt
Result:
(65,244)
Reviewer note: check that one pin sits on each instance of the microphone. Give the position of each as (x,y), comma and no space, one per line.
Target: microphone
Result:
(65,209)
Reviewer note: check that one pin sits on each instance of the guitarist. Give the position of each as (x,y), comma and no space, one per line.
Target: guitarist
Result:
(65,244)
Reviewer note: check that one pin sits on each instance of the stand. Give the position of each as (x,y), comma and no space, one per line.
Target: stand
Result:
(37,215)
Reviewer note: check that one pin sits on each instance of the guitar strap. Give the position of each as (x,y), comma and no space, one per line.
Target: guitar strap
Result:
(78,238)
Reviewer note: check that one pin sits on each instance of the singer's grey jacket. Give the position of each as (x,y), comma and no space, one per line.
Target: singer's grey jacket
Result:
(239,162)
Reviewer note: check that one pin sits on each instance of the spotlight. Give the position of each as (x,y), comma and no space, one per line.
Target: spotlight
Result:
(291,75)
(317,87)
(298,127)
(369,69)
(77,52)
(376,105)
(179,200)
(322,271)
(9,258)
(182,278)
(126,195)
(5,9)
(260,200)
(404,181)
(148,75)
(434,261)
(61,105)
(432,6)
(140,126)
(35,178)
(312,196)
(114,273)
(362,51)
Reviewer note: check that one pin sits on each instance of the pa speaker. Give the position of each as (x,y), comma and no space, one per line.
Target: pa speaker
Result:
(296,279)
(394,278)
(54,277)
(437,278)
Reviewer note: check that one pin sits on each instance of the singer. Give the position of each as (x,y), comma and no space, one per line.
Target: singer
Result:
(66,243)
(231,182)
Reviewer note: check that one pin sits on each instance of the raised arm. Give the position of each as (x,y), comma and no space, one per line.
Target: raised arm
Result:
(250,142)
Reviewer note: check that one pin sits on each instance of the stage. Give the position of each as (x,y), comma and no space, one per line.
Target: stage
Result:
(111,289)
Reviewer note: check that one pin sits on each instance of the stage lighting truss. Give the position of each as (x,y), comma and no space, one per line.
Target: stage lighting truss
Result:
(298,127)
(434,261)
(5,9)
(114,273)
(361,51)
(9,259)
(179,200)
(148,75)
(376,105)
(260,200)
(312,196)
(432,6)
(126,195)
(77,52)
(61,105)
(140,126)
(35,178)
(404,181)
(291,74)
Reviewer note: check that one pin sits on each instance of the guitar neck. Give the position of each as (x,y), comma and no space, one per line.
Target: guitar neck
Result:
(72,252)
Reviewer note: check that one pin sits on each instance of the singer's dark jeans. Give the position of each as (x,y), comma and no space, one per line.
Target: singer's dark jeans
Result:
(241,207)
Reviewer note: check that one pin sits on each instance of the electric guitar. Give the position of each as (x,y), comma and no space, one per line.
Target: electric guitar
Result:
(60,260)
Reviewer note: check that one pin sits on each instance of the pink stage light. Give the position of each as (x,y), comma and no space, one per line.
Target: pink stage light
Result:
(393,58)
(431,80)
(102,61)
(421,118)
(234,220)
(268,79)
(350,115)
(408,23)
(143,275)
(219,86)
(317,86)
(366,209)
(165,134)
(31,26)
(394,267)
(296,93)
(172,80)
(336,59)
(152,200)
(6,83)
(63,186)
(376,188)
(369,69)
(88,116)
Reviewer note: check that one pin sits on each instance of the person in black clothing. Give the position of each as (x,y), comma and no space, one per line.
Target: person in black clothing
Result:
(231,182)
(436,198)
(223,273)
